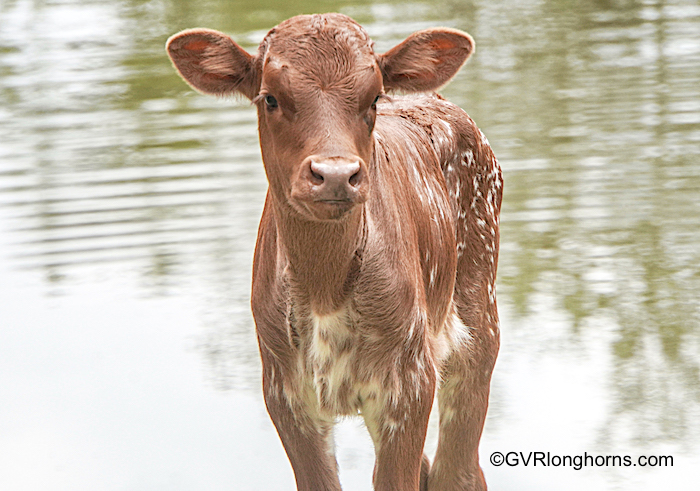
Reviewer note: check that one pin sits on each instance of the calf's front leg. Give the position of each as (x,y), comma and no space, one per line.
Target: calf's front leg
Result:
(398,423)
(463,402)
(307,437)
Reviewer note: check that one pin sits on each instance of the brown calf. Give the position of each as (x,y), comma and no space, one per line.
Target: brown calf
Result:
(373,278)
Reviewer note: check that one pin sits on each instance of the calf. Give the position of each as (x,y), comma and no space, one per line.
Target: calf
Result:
(374,269)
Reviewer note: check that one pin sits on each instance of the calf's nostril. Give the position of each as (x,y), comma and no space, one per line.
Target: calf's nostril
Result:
(355,179)
(317,176)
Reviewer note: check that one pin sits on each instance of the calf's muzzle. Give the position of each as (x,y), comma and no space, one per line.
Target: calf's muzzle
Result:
(340,181)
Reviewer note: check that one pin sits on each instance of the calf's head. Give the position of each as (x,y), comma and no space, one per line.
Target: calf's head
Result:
(316,81)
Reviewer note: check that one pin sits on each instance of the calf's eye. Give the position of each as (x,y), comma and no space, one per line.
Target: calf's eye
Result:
(271,102)
(374,104)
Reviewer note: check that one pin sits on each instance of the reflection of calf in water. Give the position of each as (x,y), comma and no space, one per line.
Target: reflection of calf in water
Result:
(374,270)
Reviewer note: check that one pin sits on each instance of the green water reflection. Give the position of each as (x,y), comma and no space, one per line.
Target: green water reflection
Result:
(593,109)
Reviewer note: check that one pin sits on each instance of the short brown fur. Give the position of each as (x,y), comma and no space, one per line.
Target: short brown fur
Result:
(374,269)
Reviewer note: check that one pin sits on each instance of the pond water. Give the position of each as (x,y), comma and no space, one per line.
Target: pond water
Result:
(129,206)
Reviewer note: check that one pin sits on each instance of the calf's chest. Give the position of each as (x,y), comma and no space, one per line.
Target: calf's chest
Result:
(333,361)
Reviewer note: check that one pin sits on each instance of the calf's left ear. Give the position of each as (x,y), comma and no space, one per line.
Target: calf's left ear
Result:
(213,63)
(426,60)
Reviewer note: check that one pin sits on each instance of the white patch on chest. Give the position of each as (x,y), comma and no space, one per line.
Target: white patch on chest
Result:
(329,331)
(334,363)
(332,357)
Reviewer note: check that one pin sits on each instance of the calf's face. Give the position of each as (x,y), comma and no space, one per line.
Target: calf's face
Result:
(316,81)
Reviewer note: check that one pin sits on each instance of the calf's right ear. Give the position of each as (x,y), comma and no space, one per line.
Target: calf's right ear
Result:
(212,63)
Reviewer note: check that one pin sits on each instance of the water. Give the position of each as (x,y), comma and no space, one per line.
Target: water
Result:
(129,206)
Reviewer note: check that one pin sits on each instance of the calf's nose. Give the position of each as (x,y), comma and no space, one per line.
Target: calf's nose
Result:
(336,179)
